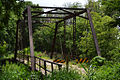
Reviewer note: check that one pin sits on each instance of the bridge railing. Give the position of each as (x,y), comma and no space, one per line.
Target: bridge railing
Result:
(39,63)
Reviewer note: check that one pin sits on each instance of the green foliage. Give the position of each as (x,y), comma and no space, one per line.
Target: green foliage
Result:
(107,36)
(43,34)
(114,55)
(73,5)
(108,72)
(10,12)
(64,75)
(17,71)
(112,8)
(105,15)
(8,17)
(94,5)
(73,62)
(27,51)
(98,61)
(89,72)
(3,49)
(8,56)
(80,65)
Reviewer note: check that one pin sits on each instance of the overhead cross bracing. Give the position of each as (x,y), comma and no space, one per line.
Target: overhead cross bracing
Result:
(59,14)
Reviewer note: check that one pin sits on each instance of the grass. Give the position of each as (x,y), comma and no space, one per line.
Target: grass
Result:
(64,75)
(108,71)
(18,71)
(42,55)
(9,56)
(12,71)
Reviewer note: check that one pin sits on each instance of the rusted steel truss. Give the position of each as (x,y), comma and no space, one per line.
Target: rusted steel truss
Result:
(37,15)
(74,36)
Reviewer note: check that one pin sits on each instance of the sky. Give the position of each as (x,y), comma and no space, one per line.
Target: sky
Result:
(56,3)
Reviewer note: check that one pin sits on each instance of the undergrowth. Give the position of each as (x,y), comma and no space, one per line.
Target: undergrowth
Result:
(12,71)
(64,75)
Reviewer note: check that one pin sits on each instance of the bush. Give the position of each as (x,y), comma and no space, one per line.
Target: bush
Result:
(108,72)
(80,65)
(64,75)
(2,49)
(27,51)
(114,55)
(97,61)
(17,72)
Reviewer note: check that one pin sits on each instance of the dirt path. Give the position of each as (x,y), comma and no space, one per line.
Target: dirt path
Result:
(75,67)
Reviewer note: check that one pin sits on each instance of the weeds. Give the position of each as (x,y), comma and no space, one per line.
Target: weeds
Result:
(12,71)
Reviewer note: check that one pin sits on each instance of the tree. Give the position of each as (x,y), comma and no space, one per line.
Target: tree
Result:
(112,9)
(10,12)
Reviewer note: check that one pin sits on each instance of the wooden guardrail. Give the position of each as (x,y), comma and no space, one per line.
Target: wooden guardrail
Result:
(27,60)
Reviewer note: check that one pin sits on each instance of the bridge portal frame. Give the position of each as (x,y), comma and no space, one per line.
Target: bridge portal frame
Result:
(30,14)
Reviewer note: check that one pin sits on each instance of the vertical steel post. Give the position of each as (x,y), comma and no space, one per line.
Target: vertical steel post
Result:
(16,44)
(39,65)
(52,67)
(21,41)
(74,36)
(64,45)
(66,55)
(30,37)
(54,40)
(23,35)
(45,68)
(93,33)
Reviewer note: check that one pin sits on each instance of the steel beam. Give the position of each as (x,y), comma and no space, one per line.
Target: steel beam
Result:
(23,39)
(54,40)
(42,13)
(49,17)
(64,44)
(47,26)
(31,38)
(84,17)
(93,33)
(16,44)
(49,12)
(74,36)
(72,15)
(40,21)
(67,11)
(57,8)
